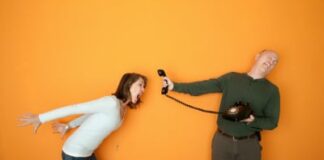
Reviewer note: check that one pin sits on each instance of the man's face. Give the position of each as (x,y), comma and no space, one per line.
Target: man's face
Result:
(266,61)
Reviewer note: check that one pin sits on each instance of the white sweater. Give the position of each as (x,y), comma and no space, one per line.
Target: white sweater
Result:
(101,117)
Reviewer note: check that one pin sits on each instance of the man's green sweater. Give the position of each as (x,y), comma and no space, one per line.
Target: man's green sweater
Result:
(261,94)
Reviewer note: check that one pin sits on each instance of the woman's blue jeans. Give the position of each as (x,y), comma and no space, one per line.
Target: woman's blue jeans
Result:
(68,157)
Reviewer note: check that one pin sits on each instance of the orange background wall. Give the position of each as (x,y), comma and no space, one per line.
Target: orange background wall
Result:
(55,53)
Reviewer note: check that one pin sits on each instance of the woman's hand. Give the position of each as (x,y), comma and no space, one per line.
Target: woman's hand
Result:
(30,119)
(60,128)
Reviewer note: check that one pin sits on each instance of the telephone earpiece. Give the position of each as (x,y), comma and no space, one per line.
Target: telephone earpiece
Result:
(165,89)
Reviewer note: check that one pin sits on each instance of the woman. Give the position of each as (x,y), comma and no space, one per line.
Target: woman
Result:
(100,117)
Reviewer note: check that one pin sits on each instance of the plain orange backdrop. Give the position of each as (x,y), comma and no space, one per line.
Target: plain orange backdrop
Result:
(61,52)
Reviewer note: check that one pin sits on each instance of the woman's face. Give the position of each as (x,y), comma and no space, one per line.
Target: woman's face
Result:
(137,90)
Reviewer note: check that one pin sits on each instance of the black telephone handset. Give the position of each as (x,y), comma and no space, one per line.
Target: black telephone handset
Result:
(162,74)
(164,91)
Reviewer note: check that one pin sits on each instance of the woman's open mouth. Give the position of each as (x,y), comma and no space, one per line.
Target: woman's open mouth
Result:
(139,96)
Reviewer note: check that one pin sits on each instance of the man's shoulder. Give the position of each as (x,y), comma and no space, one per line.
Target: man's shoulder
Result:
(271,84)
(235,74)
(232,74)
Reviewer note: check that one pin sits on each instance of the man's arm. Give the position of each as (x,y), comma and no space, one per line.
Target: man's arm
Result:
(202,87)
(271,114)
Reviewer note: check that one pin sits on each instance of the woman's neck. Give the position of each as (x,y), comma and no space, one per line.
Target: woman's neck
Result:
(124,104)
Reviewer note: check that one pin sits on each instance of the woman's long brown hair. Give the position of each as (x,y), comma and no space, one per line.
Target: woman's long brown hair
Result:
(123,89)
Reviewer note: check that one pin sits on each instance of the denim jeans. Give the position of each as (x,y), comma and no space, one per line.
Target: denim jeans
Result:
(68,157)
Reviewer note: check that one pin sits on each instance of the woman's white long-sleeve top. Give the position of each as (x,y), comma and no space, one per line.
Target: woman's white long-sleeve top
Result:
(102,116)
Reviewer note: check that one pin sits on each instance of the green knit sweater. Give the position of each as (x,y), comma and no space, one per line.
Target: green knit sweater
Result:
(261,94)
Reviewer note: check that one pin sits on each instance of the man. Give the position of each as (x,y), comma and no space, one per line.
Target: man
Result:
(239,140)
